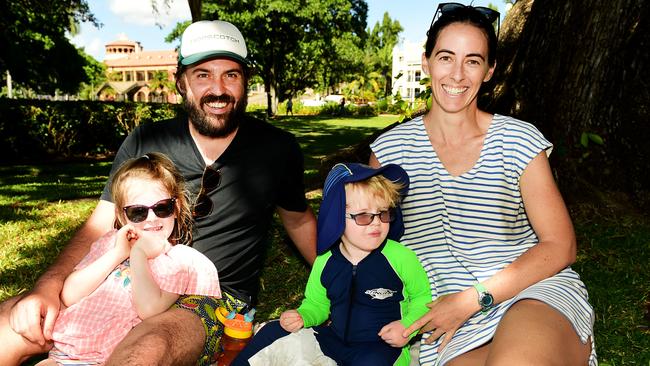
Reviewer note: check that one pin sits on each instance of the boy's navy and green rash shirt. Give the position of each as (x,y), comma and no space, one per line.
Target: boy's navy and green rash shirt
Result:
(389,284)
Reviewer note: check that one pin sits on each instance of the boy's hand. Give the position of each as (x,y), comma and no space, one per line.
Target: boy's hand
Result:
(391,333)
(291,321)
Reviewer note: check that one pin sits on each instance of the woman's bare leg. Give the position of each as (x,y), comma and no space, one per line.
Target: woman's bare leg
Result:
(533,333)
(530,333)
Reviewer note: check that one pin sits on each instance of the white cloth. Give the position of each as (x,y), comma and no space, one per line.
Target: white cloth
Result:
(298,349)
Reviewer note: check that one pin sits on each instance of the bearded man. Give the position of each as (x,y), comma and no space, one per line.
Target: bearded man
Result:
(239,171)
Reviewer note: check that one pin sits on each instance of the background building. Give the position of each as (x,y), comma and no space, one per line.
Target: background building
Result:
(138,75)
(407,70)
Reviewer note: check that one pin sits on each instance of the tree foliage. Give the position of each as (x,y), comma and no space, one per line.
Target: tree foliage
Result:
(33,45)
(95,72)
(295,44)
(320,45)
(383,38)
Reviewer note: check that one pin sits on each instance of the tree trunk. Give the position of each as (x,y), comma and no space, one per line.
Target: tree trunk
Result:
(581,67)
(388,89)
(195,9)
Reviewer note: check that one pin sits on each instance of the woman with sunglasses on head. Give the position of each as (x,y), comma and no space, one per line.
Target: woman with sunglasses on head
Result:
(485,217)
(134,271)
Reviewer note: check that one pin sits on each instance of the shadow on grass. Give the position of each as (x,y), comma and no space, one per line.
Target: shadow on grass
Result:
(284,275)
(36,183)
(320,137)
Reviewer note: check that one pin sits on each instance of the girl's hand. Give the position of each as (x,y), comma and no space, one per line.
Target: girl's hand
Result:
(126,237)
(392,333)
(291,321)
(446,314)
(150,245)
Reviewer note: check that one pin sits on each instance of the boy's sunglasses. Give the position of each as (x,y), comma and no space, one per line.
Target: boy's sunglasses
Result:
(366,218)
(450,9)
(209,182)
(138,213)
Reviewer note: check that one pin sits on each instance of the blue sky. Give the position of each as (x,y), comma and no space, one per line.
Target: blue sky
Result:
(135,19)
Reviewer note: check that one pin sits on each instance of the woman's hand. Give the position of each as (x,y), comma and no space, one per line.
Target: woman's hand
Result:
(291,321)
(391,333)
(446,314)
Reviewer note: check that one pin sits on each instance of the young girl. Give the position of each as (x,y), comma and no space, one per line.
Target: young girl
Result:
(134,271)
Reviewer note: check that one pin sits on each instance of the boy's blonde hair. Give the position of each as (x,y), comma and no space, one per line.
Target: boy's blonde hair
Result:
(157,167)
(380,187)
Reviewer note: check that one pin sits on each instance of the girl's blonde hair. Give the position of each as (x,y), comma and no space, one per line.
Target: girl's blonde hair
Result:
(157,167)
(380,187)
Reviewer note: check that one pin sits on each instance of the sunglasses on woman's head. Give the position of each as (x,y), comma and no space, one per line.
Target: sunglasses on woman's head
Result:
(366,218)
(209,182)
(451,9)
(138,213)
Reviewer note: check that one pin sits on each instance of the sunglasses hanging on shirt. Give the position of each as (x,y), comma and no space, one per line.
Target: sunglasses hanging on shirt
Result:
(209,182)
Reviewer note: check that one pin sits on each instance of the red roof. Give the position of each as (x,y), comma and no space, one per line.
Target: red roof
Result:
(145,58)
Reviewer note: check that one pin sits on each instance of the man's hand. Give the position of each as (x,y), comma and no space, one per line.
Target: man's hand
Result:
(391,333)
(291,321)
(33,316)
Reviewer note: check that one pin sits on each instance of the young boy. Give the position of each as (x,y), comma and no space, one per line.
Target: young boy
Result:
(367,284)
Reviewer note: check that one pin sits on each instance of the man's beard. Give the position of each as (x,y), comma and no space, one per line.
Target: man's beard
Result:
(215,126)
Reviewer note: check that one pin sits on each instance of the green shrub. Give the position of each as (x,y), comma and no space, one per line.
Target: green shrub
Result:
(38,129)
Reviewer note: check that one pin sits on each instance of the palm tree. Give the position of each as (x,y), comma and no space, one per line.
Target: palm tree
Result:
(160,83)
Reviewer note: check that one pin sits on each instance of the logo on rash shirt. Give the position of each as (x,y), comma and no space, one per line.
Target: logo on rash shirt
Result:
(380,293)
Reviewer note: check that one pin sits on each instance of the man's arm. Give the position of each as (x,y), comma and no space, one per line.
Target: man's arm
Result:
(301,227)
(33,315)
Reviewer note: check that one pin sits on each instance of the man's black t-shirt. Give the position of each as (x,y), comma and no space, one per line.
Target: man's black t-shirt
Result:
(262,168)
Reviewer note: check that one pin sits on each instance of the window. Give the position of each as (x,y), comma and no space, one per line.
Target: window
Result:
(139,76)
(417,75)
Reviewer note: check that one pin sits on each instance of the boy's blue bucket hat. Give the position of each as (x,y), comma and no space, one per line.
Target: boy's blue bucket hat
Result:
(331,218)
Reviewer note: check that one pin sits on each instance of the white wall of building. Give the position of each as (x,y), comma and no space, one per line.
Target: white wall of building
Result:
(407,61)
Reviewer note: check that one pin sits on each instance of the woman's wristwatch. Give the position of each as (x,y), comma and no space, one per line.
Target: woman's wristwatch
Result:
(485,299)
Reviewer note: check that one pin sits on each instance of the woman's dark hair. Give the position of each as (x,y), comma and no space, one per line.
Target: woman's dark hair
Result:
(467,15)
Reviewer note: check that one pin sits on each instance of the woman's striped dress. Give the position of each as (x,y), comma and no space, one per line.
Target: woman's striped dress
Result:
(466,228)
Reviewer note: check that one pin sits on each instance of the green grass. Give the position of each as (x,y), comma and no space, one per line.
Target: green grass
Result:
(42,206)
(613,258)
(319,136)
